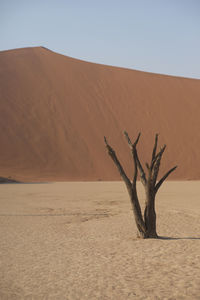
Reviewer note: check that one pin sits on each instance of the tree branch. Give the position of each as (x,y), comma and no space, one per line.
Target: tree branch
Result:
(141,170)
(154,148)
(137,162)
(128,139)
(132,146)
(147,166)
(137,140)
(131,187)
(158,185)
(112,154)
(156,164)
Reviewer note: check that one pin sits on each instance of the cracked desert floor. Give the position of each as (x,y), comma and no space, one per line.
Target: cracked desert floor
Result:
(77,241)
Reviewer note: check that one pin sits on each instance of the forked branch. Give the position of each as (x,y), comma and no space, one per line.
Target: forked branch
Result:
(156,165)
(136,158)
(134,154)
(160,182)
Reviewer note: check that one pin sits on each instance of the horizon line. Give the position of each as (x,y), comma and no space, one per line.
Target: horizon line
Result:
(101,64)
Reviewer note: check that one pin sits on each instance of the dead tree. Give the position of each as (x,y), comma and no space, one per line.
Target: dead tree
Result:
(146,222)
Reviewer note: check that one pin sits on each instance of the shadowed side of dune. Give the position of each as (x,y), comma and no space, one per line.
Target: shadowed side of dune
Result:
(55,110)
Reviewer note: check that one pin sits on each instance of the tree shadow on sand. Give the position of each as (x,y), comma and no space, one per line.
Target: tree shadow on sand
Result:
(168,238)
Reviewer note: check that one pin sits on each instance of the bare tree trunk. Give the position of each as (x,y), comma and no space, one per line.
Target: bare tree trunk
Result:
(138,215)
(150,214)
(146,224)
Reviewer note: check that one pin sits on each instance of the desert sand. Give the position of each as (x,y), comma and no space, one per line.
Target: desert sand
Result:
(77,241)
(55,111)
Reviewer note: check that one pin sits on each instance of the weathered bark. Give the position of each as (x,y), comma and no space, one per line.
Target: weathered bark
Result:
(150,214)
(146,223)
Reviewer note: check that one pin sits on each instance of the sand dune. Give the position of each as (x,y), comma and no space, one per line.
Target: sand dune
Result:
(77,241)
(55,110)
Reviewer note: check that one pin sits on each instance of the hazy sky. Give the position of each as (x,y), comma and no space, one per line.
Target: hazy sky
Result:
(161,36)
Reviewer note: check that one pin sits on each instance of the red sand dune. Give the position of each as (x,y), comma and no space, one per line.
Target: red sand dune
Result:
(55,110)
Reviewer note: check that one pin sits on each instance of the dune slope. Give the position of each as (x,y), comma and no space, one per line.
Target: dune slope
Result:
(55,110)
